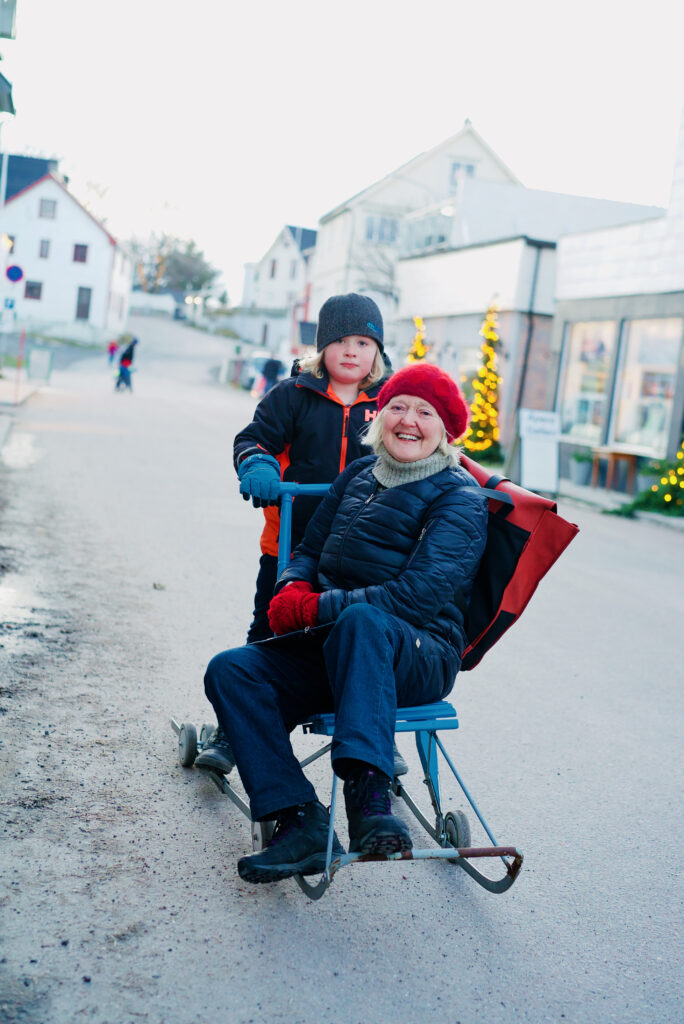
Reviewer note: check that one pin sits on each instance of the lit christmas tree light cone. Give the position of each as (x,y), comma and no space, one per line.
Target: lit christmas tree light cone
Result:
(482,436)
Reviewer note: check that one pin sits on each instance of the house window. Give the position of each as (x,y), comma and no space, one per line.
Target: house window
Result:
(80,253)
(381,230)
(44,248)
(274,264)
(83,303)
(647,376)
(293,270)
(588,359)
(459,171)
(48,209)
(33,290)
(264,334)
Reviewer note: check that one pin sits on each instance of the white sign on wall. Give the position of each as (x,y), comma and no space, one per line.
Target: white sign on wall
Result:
(539,433)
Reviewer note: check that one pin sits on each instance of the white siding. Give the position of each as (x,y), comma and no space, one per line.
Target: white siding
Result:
(107,269)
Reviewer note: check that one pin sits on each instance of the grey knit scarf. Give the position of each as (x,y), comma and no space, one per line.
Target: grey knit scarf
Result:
(391,473)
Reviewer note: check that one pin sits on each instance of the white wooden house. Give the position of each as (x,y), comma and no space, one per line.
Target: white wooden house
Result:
(359,240)
(75,279)
(275,298)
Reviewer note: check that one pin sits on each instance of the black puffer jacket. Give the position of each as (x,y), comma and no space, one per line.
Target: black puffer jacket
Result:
(405,549)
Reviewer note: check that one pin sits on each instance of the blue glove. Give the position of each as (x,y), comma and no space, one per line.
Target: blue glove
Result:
(260,477)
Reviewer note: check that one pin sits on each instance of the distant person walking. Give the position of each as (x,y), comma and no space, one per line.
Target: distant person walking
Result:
(112,349)
(123,381)
(272,370)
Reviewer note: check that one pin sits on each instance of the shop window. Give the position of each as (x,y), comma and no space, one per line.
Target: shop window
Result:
(646,379)
(33,290)
(584,398)
(80,253)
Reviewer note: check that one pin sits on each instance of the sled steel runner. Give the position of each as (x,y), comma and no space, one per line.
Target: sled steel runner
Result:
(451,830)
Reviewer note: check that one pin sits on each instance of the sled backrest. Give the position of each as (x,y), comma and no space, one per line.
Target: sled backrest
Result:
(525,536)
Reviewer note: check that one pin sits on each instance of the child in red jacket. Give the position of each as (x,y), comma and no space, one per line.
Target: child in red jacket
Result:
(307,429)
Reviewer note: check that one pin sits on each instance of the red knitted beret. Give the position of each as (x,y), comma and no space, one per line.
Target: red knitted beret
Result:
(434,385)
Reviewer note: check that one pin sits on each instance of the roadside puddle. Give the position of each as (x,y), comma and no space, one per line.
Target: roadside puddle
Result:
(21,450)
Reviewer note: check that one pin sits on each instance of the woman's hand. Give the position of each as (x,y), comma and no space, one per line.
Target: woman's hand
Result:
(295,607)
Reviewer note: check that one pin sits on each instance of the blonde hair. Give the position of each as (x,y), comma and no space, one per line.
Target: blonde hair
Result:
(315,365)
(373,438)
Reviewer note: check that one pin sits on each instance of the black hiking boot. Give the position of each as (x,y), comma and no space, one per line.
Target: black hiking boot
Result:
(217,755)
(373,829)
(298,846)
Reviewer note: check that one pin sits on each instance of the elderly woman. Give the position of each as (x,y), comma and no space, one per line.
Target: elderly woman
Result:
(366,618)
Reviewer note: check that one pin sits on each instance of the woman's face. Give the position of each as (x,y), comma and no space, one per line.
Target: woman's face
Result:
(411,428)
(350,359)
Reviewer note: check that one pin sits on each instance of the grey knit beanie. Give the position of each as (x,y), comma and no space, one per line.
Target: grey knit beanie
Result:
(341,315)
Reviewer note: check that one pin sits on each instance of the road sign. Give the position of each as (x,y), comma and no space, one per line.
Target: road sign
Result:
(14,273)
(539,432)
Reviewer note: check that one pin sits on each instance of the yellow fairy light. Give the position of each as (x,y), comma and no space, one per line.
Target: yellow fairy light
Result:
(668,497)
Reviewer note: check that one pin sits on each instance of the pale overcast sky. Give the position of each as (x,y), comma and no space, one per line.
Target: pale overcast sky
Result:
(221,120)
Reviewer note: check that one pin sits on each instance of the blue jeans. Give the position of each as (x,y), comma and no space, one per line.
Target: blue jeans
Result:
(362,668)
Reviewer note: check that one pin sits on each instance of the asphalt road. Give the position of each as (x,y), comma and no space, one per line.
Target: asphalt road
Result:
(127,560)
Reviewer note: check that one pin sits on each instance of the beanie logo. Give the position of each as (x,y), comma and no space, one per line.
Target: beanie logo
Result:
(372,327)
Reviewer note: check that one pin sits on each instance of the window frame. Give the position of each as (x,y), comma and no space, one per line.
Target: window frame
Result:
(43,207)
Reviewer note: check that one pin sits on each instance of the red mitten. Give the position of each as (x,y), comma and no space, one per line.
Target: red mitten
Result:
(294,607)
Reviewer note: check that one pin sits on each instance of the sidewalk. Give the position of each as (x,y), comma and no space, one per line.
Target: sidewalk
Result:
(11,395)
(600,498)
(8,394)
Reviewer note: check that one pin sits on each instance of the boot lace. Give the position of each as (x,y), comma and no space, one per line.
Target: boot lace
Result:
(372,794)
(286,822)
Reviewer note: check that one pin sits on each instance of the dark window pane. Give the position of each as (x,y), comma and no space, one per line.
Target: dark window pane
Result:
(83,303)
(33,290)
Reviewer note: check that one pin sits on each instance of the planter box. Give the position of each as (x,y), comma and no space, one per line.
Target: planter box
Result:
(580,472)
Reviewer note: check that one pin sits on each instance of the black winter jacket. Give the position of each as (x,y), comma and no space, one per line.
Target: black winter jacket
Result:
(405,549)
(314,436)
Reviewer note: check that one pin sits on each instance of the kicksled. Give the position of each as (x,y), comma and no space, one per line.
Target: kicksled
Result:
(525,537)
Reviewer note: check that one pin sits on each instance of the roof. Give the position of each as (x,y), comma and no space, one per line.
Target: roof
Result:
(52,177)
(466,130)
(304,237)
(23,171)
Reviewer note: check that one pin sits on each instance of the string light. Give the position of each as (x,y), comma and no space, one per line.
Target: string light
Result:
(418,349)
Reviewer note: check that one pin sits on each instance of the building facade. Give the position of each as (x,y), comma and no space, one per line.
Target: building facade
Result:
(619,333)
(75,279)
(496,244)
(360,240)
(276,294)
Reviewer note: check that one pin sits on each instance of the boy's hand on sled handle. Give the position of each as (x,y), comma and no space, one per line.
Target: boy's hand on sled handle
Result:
(293,607)
(260,479)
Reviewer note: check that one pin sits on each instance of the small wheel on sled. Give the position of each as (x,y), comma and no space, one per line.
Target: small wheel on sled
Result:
(457,830)
(187,745)
(261,834)
(206,733)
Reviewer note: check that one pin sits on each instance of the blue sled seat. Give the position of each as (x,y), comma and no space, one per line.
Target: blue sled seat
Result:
(422,718)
